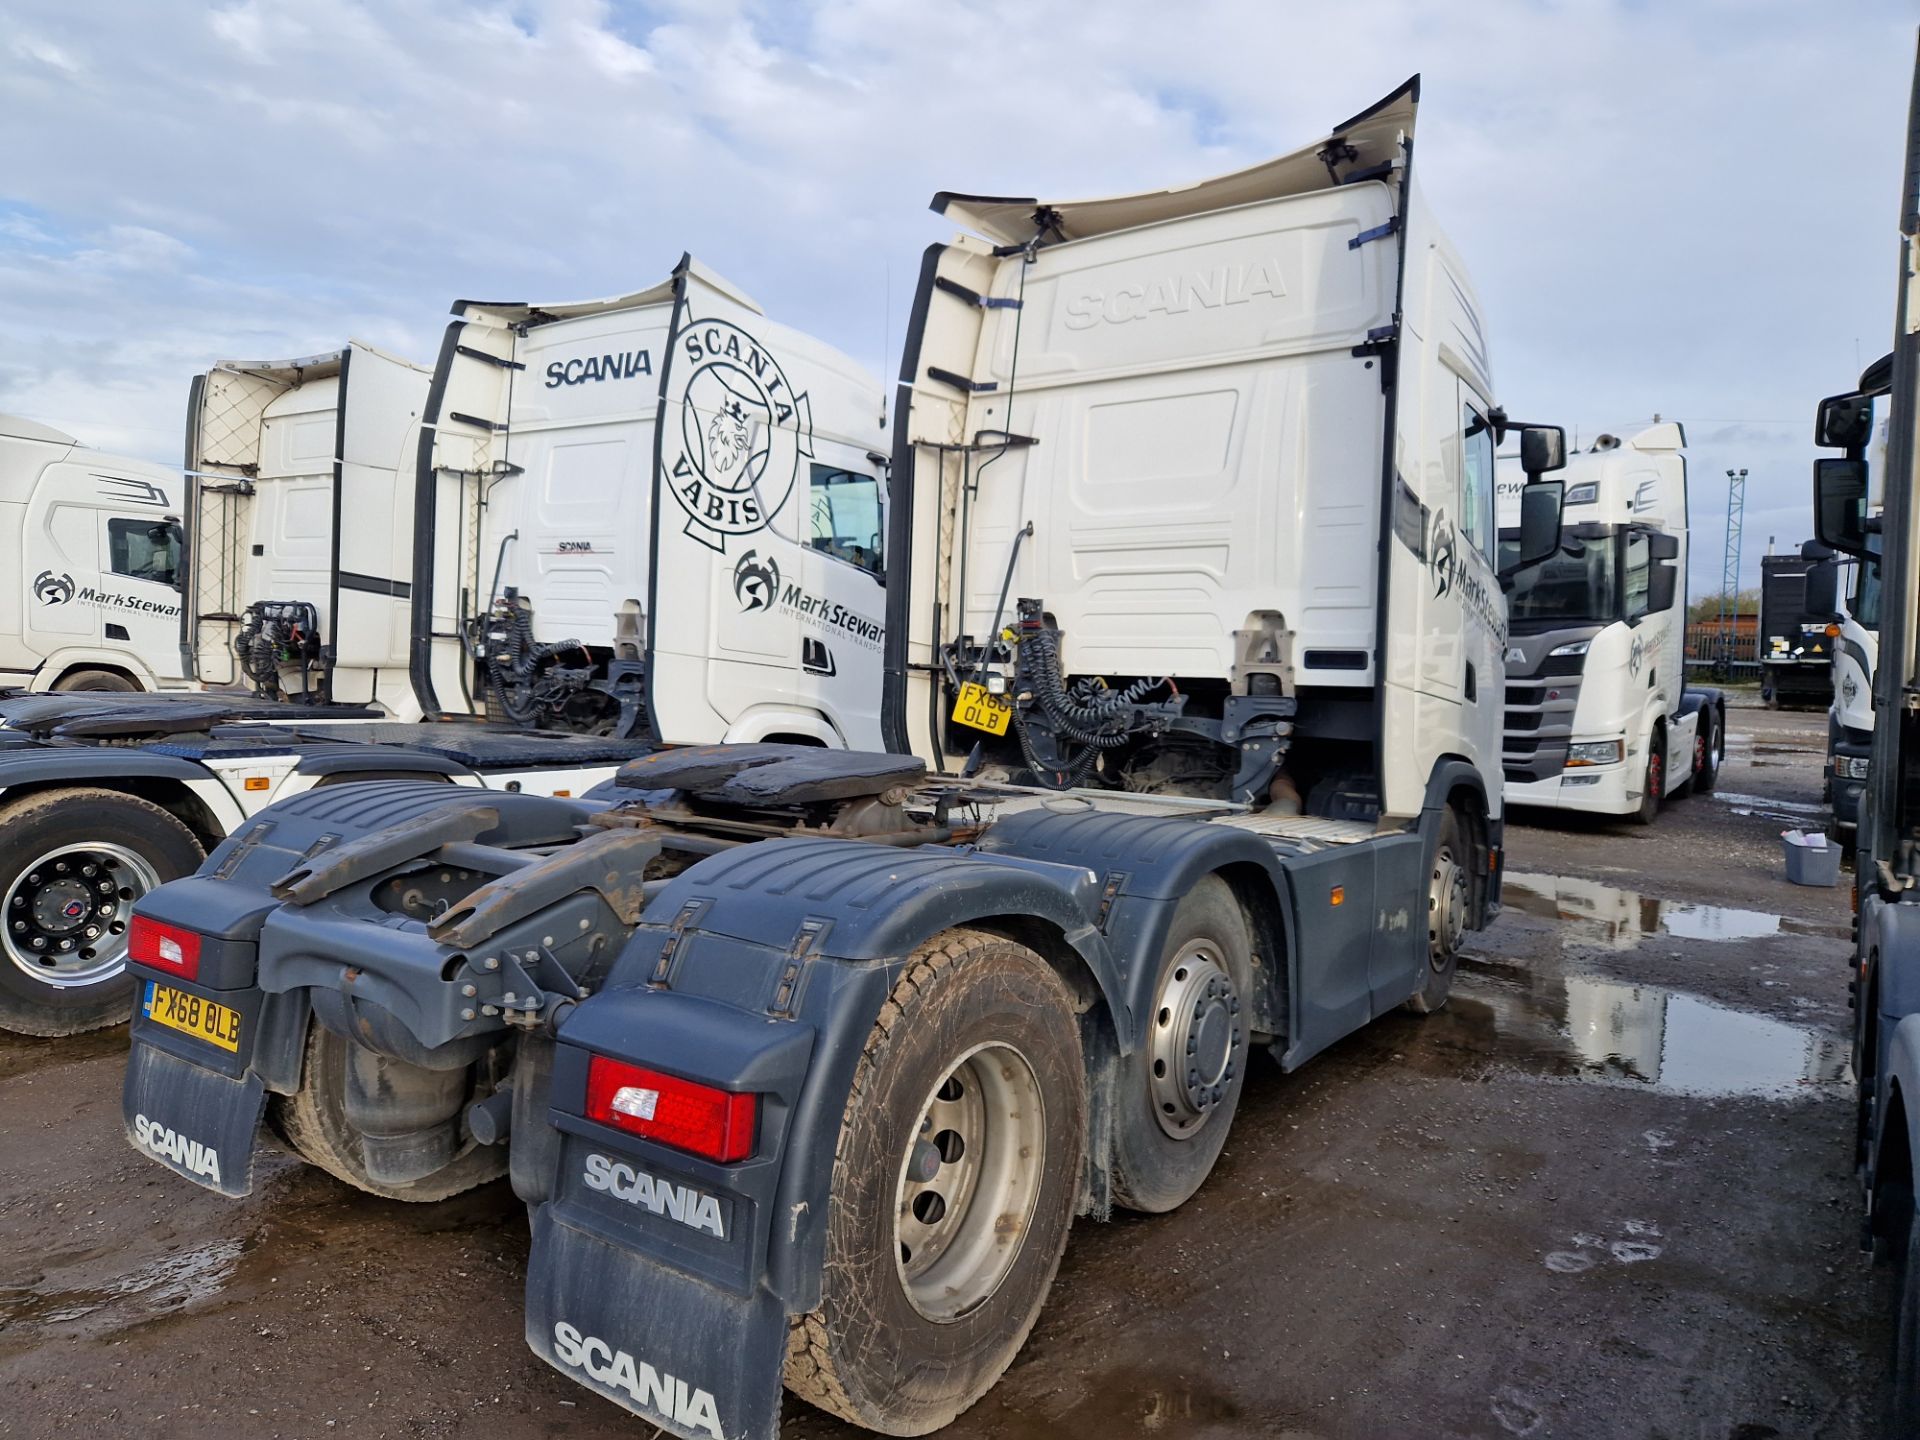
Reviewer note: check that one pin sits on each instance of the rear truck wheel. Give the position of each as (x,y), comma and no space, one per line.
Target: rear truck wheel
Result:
(1449,907)
(72,864)
(1653,786)
(1180,1088)
(95,680)
(321,1123)
(1707,746)
(954,1183)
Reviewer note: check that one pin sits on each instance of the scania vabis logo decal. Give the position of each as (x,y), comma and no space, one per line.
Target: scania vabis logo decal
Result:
(52,589)
(742,435)
(755,585)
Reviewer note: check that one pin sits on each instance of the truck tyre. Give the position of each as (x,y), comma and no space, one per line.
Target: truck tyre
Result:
(954,1182)
(1904,1372)
(314,1124)
(72,864)
(1653,785)
(1449,904)
(1178,1090)
(1708,746)
(95,680)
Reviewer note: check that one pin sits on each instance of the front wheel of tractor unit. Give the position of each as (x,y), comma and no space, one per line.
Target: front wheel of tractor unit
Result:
(1653,785)
(72,865)
(390,1129)
(954,1184)
(1449,909)
(1180,1089)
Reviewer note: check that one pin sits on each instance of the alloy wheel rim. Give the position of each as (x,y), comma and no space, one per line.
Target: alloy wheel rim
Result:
(66,913)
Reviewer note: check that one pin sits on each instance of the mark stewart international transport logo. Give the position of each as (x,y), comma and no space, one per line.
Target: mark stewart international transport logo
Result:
(756,585)
(52,589)
(743,433)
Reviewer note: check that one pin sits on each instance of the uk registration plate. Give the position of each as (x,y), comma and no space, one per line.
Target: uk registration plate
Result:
(190,1015)
(979,709)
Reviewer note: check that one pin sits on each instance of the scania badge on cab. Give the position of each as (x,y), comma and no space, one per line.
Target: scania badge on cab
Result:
(1598,715)
(805,1060)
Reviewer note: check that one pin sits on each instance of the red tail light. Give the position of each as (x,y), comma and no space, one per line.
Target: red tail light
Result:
(161,946)
(717,1124)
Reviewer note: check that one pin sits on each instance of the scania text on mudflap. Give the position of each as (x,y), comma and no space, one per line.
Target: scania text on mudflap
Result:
(1598,715)
(104,797)
(804,1060)
(93,543)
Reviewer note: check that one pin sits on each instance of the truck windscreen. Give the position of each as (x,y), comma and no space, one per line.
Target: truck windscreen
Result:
(1579,585)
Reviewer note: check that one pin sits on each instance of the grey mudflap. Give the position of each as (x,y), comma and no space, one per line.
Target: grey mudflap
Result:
(195,1122)
(697,1361)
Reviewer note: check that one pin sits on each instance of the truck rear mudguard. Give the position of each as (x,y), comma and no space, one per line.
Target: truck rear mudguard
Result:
(664,1281)
(196,1088)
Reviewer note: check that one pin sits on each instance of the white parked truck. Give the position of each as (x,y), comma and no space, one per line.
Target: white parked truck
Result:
(500,555)
(1598,714)
(93,541)
(300,475)
(805,1060)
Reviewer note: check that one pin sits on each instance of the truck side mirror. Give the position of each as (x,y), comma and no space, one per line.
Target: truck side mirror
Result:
(1840,505)
(1662,580)
(1823,588)
(1540,504)
(1662,546)
(1843,422)
(1543,448)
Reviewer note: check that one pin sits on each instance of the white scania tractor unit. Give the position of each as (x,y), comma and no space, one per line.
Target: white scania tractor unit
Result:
(93,541)
(805,1060)
(481,540)
(1598,716)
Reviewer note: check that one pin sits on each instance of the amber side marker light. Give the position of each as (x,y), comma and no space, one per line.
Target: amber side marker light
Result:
(1337,896)
(257,782)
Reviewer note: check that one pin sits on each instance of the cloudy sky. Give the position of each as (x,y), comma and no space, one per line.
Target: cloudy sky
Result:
(1683,208)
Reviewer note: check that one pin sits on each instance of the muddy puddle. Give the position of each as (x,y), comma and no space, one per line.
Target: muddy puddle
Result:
(1507,1017)
(1593,914)
(1799,813)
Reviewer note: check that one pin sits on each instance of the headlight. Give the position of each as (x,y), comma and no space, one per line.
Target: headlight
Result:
(1584,494)
(1595,752)
(1578,647)
(1850,767)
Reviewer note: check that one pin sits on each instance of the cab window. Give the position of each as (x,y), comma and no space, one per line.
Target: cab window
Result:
(1639,570)
(1476,480)
(144,550)
(847,517)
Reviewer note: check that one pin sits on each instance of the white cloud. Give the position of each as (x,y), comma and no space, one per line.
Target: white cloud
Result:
(1683,209)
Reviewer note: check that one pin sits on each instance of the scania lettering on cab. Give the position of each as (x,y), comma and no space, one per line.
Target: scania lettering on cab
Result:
(1598,716)
(805,1060)
(93,544)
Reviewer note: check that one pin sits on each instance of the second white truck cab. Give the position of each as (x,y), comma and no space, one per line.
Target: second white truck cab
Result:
(301,478)
(93,544)
(1598,716)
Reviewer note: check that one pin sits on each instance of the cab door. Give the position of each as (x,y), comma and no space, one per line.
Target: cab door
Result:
(844,568)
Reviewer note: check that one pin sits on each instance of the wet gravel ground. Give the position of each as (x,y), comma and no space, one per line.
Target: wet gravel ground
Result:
(1607,1192)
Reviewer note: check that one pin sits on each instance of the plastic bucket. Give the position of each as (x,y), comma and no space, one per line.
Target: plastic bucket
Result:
(1812,864)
